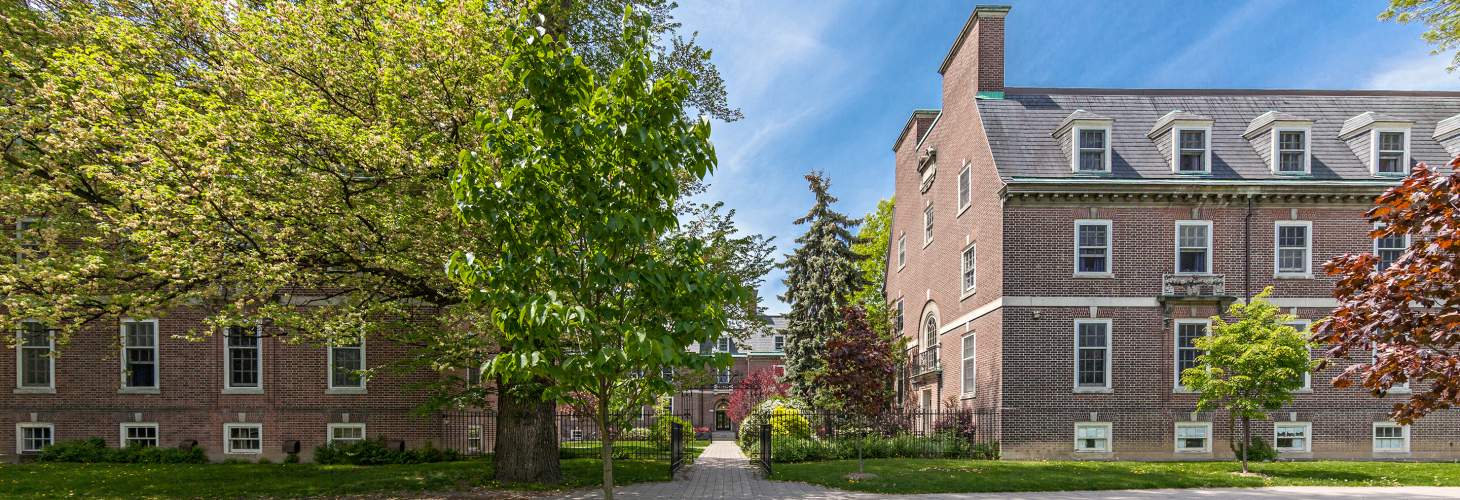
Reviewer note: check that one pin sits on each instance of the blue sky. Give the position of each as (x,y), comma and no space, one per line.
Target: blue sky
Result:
(827,84)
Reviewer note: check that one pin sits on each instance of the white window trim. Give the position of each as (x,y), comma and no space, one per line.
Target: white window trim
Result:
(330,372)
(20,364)
(1393,389)
(122,429)
(923,331)
(156,388)
(1176,436)
(965,182)
(329,431)
(1109,354)
(902,251)
(1307,375)
(1075,148)
(228,377)
(1176,385)
(965,391)
(1206,161)
(928,224)
(1176,250)
(1374,436)
(968,291)
(1307,150)
(1307,437)
(782,342)
(1109,248)
(20,435)
(1375,244)
(1307,272)
(1374,151)
(900,315)
(1109,437)
(480,438)
(228,443)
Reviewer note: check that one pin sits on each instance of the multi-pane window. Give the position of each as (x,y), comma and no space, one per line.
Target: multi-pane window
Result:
(965,187)
(1390,153)
(1092,354)
(346,433)
(1293,248)
(244,360)
(930,331)
(970,273)
(474,438)
(1193,247)
(1191,150)
(897,319)
(928,225)
(1092,437)
(1094,150)
(33,437)
(1291,436)
(667,373)
(724,376)
(778,342)
(1391,438)
(1292,151)
(1186,352)
(139,435)
(723,344)
(243,438)
(346,362)
(1092,247)
(1301,326)
(37,370)
(474,376)
(901,251)
(1396,386)
(139,354)
(970,365)
(27,239)
(1390,248)
(1193,436)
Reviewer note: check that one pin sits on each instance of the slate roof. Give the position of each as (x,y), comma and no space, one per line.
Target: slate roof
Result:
(1019,126)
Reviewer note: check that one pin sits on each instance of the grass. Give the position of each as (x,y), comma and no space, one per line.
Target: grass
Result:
(54,480)
(911,475)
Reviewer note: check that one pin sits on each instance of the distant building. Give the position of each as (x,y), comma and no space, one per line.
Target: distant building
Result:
(706,405)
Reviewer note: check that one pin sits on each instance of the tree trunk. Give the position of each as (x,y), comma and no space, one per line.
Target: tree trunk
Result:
(526,450)
(606,438)
(1246,440)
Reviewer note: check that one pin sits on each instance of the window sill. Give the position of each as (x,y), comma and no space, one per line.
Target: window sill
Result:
(900,266)
(1292,174)
(243,390)
(260,452)
(968,396)
(1293,276)
(926,243)
(1094,453)
(1391,454)
(1194,452)
(967,294)
(34,390)
(1399,391)
(1094,275)
(140,390)
(963,209)
(1295,453)
(1304,391)
(1093,390)
(345,390)
(1200,173)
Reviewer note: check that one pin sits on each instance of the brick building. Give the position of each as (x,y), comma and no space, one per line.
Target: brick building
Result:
(706,405)
(1055,251)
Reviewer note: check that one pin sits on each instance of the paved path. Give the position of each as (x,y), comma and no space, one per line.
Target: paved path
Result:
(722,472)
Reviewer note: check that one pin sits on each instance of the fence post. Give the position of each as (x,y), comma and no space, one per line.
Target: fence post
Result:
(765,449)
(676,448)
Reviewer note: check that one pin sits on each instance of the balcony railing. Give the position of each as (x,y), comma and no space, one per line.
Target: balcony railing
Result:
(1177,286)
(927,362)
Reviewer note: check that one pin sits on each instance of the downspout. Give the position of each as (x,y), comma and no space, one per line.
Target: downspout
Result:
(1247,254)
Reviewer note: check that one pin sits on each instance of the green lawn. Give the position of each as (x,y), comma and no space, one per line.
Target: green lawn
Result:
(911,475)
(285,480)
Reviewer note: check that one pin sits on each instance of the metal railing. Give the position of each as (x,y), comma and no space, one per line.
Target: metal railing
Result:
(636,436)
(927,362)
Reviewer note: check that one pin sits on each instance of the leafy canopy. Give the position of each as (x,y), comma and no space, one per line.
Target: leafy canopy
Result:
(1252,365)
(874,241)
(1441,16)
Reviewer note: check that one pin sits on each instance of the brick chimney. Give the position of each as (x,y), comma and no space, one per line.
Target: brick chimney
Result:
(975,63)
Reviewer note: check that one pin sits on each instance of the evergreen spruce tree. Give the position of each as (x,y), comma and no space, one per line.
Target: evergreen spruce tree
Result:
(821,277)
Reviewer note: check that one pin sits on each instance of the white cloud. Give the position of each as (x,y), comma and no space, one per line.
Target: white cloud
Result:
(1418,72)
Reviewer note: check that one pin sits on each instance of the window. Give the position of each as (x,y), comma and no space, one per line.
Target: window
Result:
(928,224)
(31,437)
(1193,247)
(243,438)
(778,342)
(1391,152)
(1391,438)
(1389,249)
(930,331)
(139,435)
(1092,437)
(1192,153)
(1187,331)
(1193,437)
(666,373)
(1301,326)
(970,366)
(1293,246)
(1398,387)
(1092,354)
(345,433)
(965,187)
(970,273)
(139,354)
(898,319)
(474,438)
(345,363)
(723,344)
(1092,247)
(1291,151)
(35,366)
(724,377)
(1292,437)
(27,241)
(245,363)
(902,250)
(474,376)
(1094,150)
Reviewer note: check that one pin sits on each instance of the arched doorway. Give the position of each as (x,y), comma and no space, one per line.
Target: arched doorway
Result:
(722,415)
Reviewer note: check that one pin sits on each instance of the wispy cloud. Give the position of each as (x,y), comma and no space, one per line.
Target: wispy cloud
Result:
(1418,72)
(1196,57)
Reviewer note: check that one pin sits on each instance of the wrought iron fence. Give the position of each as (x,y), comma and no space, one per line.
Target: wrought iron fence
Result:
(636,437)
(796,436)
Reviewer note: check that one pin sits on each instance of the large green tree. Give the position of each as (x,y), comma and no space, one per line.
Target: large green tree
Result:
(1441,17)
(821,278)
(587,279)
(874,241)
(247,162)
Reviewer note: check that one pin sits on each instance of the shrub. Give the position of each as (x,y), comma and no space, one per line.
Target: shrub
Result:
(959,422)
(1259,451)
(787,422)
(899,446)
(293,458)
(94,450)
(375,452)
(635,434)
(750,427)
(659,433)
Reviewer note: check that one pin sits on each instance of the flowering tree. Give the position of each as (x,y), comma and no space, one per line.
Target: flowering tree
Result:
(758,386)
(1404,304)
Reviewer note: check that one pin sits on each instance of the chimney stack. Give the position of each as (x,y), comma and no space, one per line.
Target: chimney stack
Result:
(976,60)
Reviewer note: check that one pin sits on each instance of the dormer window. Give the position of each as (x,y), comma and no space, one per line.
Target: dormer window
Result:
(1094,150)
(1391,152)
(1185,139)
(1085,138)
(1282,139)
(1193,152)
(1292,151)
(1380,141)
